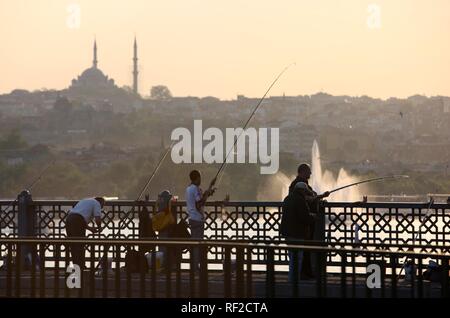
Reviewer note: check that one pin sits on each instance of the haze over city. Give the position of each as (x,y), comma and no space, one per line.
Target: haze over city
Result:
(221,49)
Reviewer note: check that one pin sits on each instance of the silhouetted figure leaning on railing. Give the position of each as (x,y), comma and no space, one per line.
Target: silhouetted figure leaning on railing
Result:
(78,219)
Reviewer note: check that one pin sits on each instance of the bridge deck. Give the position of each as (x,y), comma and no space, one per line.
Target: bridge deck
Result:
(216,286)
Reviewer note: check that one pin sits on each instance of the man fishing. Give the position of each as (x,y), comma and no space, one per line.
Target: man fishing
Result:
(303,175)
(78,220)
(296,223)
(195,201)
(312,201)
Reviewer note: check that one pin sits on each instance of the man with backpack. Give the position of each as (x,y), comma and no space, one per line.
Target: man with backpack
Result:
(313,201)
(296,223)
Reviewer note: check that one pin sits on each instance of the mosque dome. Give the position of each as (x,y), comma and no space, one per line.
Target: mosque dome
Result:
(93,78)
(93,74)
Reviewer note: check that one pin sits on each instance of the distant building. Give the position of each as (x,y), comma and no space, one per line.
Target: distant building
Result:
(446,105)
(135,68)
(94,87)
(14,161)
(93,77)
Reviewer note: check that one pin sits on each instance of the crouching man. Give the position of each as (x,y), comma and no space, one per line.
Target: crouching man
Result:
(78,220)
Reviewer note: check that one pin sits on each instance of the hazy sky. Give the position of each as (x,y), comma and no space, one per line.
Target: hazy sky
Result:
(229,47)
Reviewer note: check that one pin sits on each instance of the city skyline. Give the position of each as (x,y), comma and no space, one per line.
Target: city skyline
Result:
(191,46)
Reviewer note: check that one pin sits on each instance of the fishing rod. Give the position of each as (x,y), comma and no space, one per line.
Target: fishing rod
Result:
(40,175)
(155,170)
(32,184)
(222,166)
(426,217)
(369,180)
(122,223)
(158,165)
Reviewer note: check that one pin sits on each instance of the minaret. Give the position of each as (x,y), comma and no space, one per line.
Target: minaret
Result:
(135,68)
(94,62)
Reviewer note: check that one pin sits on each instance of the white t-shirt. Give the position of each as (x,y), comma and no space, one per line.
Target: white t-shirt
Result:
(88,209)
(194,195)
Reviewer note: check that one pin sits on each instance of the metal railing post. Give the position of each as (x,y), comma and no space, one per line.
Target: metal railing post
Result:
(239,272)
(26,225)
(203,270)
(227,272)
(270,275)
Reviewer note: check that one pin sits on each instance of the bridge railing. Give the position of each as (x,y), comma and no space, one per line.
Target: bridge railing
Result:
(388,223)
(237,276)
(394,224)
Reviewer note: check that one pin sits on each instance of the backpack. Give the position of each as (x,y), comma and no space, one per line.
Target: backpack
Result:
(434,273)
(285,214)
(135,261)
(145,224)
(178,231)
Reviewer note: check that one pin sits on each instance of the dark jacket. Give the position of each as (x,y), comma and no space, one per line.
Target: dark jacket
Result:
(296,219)
(298,179)
(314,203)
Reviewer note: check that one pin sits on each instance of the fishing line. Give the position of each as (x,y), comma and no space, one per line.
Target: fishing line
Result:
(122,221)
(32,184)
(222,166)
